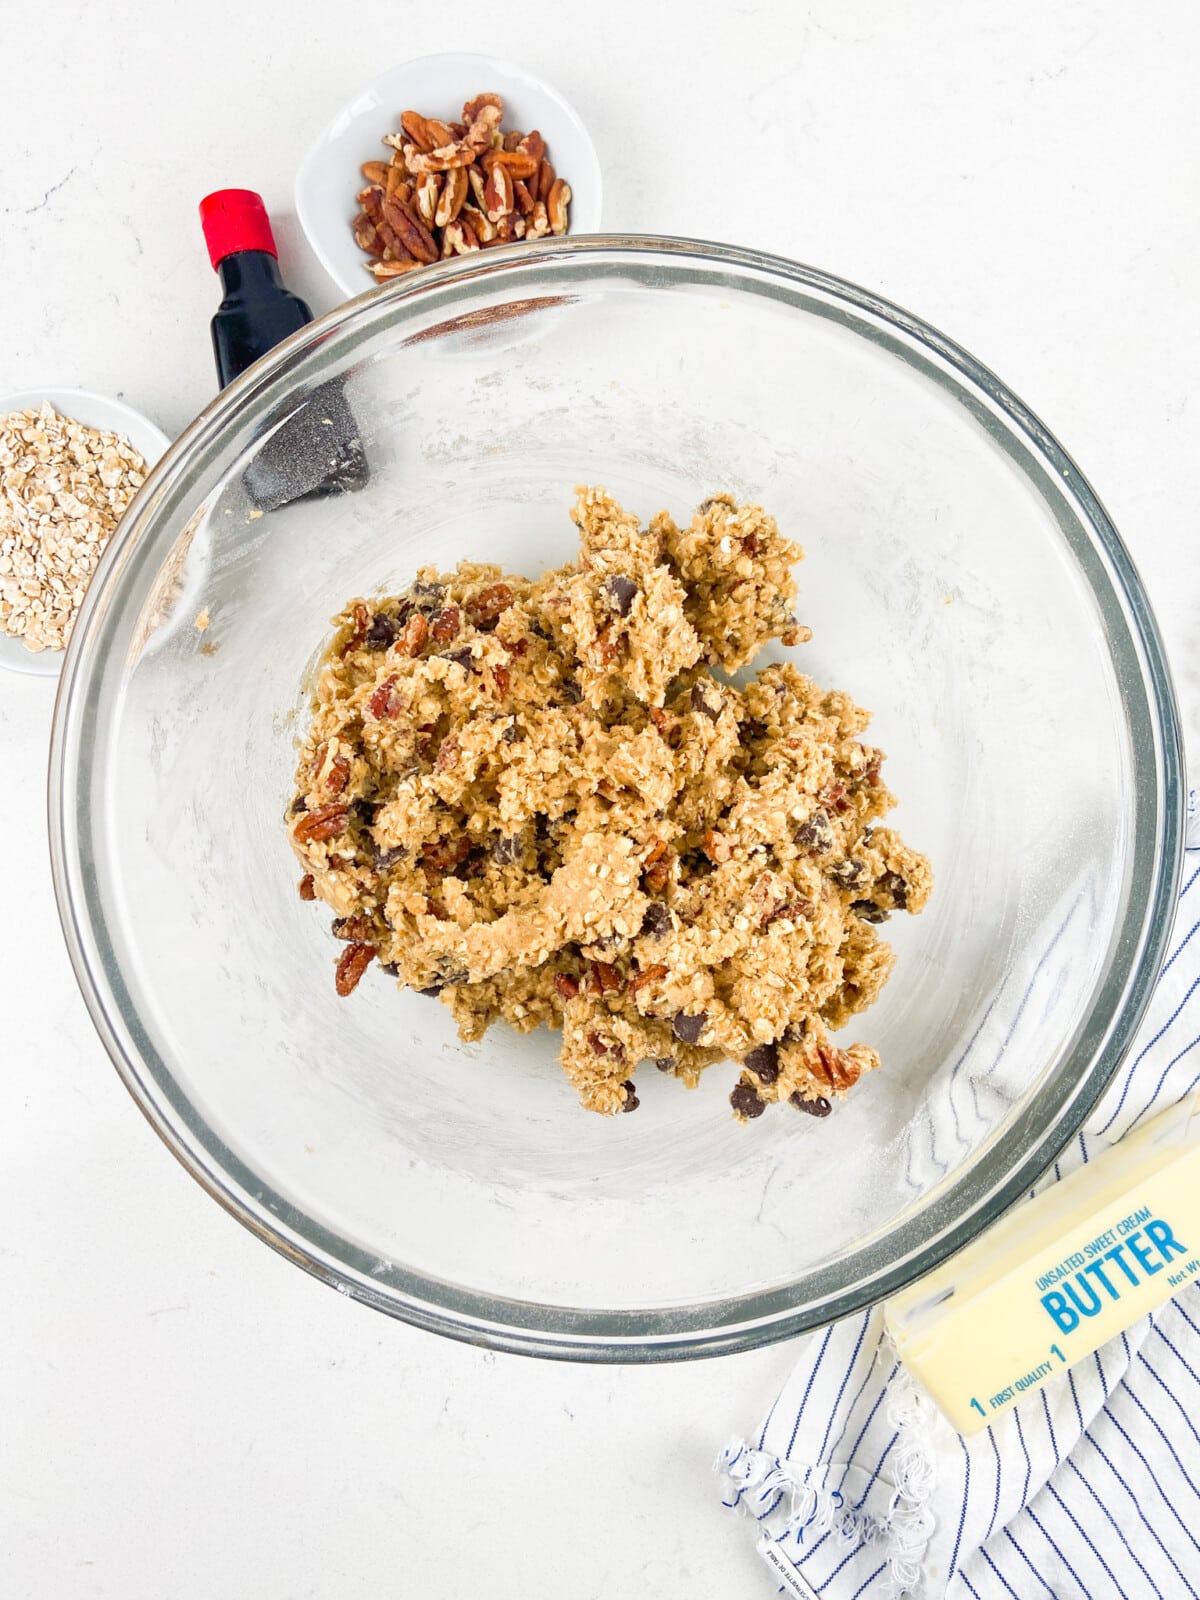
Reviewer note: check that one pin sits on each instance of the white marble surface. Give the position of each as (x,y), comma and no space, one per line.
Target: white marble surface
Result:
(183,1414)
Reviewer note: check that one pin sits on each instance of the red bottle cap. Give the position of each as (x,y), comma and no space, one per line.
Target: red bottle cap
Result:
(235,219)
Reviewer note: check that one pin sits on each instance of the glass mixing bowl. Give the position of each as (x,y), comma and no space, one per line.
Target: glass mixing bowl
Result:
(962,581)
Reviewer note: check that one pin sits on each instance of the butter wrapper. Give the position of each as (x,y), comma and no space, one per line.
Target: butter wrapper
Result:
(1057,1276)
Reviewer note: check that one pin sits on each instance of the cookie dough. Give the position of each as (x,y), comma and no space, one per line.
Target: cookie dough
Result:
(539,801)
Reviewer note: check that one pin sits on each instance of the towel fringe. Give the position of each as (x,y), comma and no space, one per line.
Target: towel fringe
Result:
(750,1477)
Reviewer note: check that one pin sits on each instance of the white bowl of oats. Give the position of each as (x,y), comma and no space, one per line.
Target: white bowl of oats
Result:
(70,463)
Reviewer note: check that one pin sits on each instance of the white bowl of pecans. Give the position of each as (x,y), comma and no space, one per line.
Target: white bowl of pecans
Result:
(439,157)
(70,463)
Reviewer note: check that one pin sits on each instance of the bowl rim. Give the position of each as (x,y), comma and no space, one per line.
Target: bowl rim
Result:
(587,199)
(1030,1142)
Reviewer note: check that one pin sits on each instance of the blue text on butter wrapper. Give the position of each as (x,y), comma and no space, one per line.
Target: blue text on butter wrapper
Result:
(1124,1257)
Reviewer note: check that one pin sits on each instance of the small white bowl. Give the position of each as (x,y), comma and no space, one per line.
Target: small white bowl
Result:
(94,411)
(436,86)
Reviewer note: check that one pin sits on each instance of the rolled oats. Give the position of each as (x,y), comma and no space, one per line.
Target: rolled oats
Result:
(63,489)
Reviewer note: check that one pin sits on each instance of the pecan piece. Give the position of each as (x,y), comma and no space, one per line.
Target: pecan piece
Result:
(605,979)
(454,192)
(447,754)
(490,604)
(365,236)
(838,1069)
(441,133)
(533,145)
(479,223)
(426,192)
(498,193)
(315,827)
(647,975)
(523,198)
(397,186)
(446,854)
(307,887)
(557,202)
(565,986)
(458,238)
(391,269)
(410,230)
(375,172)
(502,678)
(352,963)
(606,646)
(413,640)
(515,162)
(338,775)
(380,703)
(658,875)
(541,186)
(444,624)
(371,201)
(417,129)
(606,1047)
(474,108)
(717,848)
(539,221)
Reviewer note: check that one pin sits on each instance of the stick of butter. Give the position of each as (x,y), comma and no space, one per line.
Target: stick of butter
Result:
(1059,1275)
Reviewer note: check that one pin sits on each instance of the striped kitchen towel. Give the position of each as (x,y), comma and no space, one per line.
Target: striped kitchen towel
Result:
(855,1486)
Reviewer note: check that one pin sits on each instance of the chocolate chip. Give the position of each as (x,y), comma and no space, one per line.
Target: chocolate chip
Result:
(631,1100)
(688,1028)
(619,593)
(763,1062)
(571,691)
(384,860)
(364,811)
(462,657)
(506,852)
(701,704)
(815,834)
(299,804)
(428,596)
(433,989)
(512,734)
(450,971)
(868,911)
(847,873)
(539,629)
(795,1031)
(390,967)
(665,1063)
(745,1101)
(382,632)
(656,924)
(894,885)
(819,1107)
